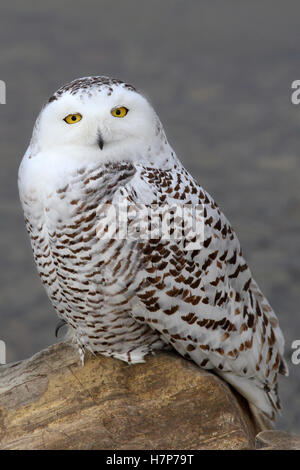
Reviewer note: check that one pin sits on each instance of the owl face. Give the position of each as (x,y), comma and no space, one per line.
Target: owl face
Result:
(98,122)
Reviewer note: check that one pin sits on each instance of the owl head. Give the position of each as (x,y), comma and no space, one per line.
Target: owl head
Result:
(98,118)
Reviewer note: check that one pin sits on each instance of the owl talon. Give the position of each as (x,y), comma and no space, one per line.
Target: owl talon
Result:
(59,325)
(81,355)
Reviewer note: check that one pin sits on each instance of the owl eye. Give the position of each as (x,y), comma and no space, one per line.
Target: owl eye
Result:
(119,112)
(73,118)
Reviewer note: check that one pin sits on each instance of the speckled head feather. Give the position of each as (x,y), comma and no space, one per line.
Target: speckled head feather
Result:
(85,84)
(127,298)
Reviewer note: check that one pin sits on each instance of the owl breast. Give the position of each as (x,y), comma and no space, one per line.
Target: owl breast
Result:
(89,272)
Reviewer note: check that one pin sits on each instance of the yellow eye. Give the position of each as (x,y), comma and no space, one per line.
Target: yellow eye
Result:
(119,112)
(73,118)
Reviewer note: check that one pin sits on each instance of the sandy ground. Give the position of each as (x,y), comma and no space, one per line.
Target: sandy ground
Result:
(219,75)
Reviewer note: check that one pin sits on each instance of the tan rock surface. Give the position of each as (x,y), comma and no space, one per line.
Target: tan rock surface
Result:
(51,402)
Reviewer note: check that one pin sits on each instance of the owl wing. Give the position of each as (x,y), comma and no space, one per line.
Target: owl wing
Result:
(204,301)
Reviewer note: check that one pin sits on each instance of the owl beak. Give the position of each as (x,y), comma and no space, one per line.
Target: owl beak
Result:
(100,141)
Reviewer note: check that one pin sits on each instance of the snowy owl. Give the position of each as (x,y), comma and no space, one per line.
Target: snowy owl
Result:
(98,143)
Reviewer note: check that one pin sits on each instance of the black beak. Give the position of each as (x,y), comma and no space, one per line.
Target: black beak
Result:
(100,142)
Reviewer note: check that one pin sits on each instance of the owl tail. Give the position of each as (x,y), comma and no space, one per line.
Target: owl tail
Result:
(261,421)
(264,399)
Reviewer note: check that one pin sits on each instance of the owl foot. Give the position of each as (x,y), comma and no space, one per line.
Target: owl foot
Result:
(59,325)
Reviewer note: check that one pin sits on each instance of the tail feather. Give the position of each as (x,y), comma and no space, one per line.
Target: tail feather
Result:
(265,399)
(283,368)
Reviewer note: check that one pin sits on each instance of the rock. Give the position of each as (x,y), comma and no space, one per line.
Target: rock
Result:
(51,402)
(277,440)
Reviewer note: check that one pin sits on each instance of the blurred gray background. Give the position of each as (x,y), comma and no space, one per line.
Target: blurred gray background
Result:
(219,75)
